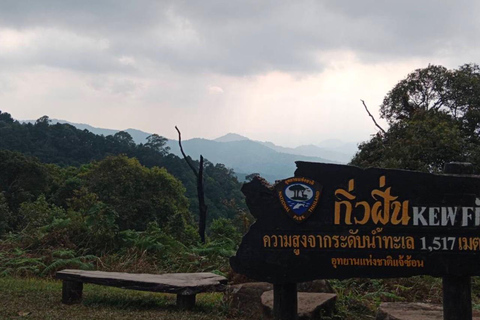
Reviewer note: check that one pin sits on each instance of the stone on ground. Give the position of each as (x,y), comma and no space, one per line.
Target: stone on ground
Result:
(412,311)
(315,286)
(245,297)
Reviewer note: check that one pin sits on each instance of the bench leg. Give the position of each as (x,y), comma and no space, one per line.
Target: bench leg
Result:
(185,302)
(72,292)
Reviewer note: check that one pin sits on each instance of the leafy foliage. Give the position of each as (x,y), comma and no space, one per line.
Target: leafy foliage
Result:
(64,145)
(109,214)
(23,178)
(106,203)
(425,142)
(224,230)
(434,117)
(437,89)
(138,195)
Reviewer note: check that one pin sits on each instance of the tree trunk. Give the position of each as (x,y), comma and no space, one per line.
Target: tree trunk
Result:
(202,207)
(202,221)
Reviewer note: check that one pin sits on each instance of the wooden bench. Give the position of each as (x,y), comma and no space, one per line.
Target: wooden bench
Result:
(184,285)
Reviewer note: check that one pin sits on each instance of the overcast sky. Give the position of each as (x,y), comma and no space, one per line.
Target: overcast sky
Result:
(290,72)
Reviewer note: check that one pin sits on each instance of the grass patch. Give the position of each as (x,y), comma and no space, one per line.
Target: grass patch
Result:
(358,299)
(40,299)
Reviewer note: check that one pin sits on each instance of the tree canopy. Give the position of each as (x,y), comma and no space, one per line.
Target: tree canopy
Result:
(73,199)
(434,118)
(65,145)
(139,195)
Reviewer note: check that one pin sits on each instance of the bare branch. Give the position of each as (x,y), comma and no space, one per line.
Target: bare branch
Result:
(381,129)
(184,155)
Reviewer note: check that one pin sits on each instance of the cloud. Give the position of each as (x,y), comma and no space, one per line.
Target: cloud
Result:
(60,49)
(215,90)
(232,37)
(260,68)
(5,85)
(117,85)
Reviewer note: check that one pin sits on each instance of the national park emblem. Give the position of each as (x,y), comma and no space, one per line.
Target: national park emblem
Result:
(299,197)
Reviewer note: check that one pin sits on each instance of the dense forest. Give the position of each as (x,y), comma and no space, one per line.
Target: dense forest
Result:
(72,198)
(64,145)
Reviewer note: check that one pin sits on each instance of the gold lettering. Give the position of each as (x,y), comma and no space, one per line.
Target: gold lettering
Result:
(347,204)
(366,212)
(389,261)
(266,241)
(385,210)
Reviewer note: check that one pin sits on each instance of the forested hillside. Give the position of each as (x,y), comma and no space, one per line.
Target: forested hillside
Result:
(64,145)
(73,199)
(93,201)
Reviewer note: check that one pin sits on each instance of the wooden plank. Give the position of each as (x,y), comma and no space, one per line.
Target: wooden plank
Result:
(176,283)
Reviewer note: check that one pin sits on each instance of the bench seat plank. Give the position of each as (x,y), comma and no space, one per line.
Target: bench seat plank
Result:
(176,283)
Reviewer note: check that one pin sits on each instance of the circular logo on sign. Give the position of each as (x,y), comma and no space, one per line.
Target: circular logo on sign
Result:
(299,197)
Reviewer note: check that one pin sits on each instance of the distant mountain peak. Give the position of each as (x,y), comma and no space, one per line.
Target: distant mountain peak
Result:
(230,137)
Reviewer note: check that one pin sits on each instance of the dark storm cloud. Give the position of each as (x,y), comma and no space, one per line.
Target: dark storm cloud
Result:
(242,37)
(409,28)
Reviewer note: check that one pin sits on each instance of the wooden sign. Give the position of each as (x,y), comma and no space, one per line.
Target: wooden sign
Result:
(335,221)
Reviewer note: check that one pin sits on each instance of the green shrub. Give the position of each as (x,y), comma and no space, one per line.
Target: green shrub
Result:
(222,229)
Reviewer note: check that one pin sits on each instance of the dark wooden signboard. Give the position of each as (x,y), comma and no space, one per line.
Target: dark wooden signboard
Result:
(336,221)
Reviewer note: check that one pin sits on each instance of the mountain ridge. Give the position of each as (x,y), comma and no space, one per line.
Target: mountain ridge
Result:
(243,155)
(230,137)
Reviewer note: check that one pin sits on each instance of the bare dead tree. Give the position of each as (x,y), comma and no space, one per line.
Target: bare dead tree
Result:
(374,121)
(200,190)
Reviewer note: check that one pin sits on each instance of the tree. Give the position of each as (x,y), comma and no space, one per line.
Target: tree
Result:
(43,121)
(65,145)
(425,143)
(38,213)
(124,138)
(437,89)
(5,215)
(157,143)
(23,178)
(5,118)
(138,195)
(434,118)
(202,207)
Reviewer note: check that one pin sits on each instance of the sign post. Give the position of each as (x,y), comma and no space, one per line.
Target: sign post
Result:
(285,301)
(335,222)
(457,295)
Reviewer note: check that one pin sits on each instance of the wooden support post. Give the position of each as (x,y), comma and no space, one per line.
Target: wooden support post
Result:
(72,292)
(285,301)
(186,302)
(457,296)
